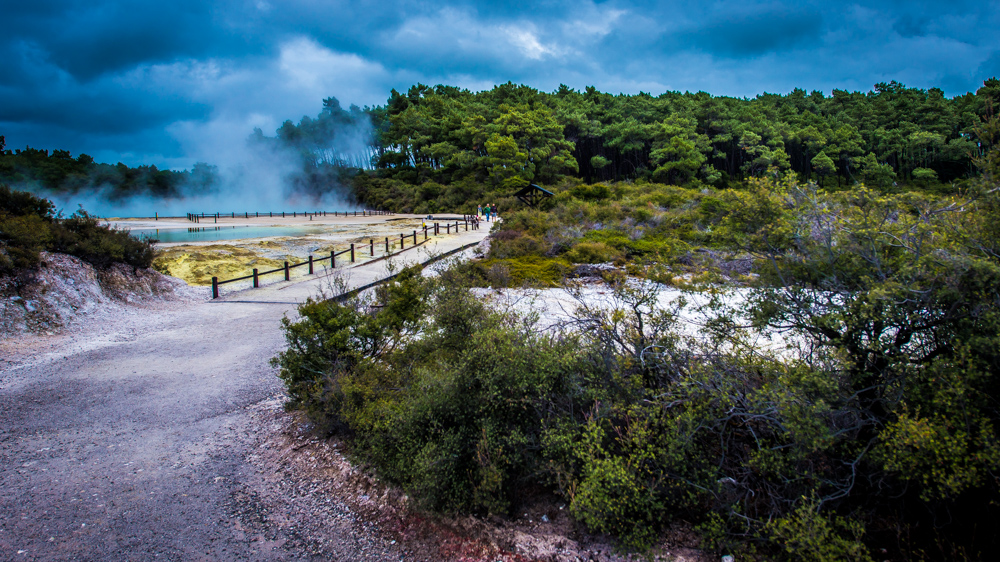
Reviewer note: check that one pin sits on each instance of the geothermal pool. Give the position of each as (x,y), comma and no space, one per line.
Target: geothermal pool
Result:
(216,233)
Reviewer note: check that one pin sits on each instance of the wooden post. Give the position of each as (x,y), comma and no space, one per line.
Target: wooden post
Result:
(286,271)
(436,229)
(386,244)
(401,239)
(352,252)
(333,259)
(372,243)
(310,265)
(447,228)
(425,232)
(256,282)
(414,237)
(215,287)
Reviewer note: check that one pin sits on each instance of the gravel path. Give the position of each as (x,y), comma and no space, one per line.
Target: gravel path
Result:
(138,437)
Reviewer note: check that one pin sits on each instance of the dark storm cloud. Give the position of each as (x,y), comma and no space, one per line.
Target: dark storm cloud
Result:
(86,39)
(169,82)
(751,33)
(911,26)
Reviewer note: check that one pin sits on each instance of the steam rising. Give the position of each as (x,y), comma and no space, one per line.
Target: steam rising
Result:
(297,170)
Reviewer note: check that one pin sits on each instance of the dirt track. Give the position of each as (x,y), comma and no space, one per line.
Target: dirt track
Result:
(135,438)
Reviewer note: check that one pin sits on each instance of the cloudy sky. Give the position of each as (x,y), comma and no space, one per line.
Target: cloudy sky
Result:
(171,83)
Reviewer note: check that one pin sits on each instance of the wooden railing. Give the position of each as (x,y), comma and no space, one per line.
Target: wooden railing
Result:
(196,217)
(469,222)
(351,292)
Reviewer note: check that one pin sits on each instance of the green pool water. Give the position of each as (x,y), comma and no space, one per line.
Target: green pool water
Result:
(216,233)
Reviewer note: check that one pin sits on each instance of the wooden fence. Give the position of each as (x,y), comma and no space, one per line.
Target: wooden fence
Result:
(350,293)
(196,217)
(436,229)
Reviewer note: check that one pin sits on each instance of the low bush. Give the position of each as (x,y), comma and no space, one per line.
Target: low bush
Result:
(592,252)
(83,236)
(29,225)
(22,239)
(451,404)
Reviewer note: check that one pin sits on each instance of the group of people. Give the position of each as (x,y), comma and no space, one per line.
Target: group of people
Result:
(490,212)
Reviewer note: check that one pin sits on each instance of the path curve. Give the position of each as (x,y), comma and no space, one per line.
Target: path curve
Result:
(130,441)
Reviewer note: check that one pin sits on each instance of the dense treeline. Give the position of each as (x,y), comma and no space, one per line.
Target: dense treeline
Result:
(444,148)
(439,148)
(515,134)
(59,172)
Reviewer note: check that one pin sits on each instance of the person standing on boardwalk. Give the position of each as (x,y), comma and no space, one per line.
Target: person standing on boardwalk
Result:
(479,211)
(487,211)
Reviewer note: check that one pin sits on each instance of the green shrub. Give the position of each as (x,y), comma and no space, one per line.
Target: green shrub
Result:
(21,240)
(508,243)
(82,235)
(592,252)
(617,490)
(535,271)
(465,434)
(22,203)
(331,341)
(454,416)
(25,229)
(810,536)
(641,214)
(596,192)
(28,226)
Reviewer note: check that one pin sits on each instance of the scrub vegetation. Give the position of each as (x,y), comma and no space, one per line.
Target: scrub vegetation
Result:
(870,433)
(29,225)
